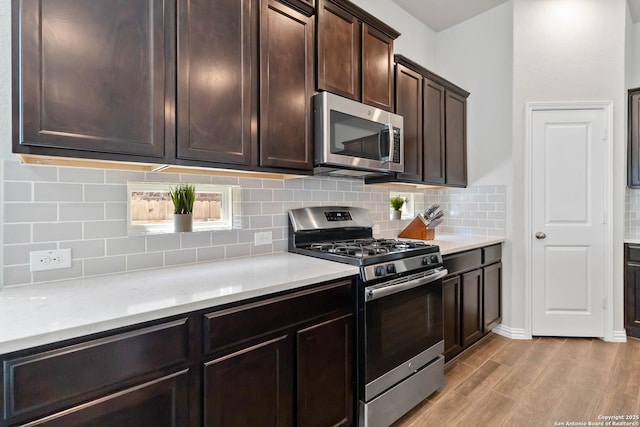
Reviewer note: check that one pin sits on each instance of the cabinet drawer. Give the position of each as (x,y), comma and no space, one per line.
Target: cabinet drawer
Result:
(49,380)
(463,261)
(491,254)
(226,328)
(633,253)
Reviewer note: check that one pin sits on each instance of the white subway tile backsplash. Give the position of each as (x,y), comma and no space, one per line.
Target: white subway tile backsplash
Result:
(195,240)
(182,256)
(30,212)
(17,191)
(145,261)
(82,211)
(16,233)
(64,273)
(19,254)
(16,275)
(86,176)
(54,232)
(236,251)
(105,229)
(105,193)
(86,210)
(212,253)
(126,245)
(85,248)
(163,242)
(115,210)
(15,171)
(104,265)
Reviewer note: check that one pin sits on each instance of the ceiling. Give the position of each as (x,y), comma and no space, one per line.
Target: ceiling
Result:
(442,14)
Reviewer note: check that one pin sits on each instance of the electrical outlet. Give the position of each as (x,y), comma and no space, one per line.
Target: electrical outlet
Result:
(262,238)
(50,260)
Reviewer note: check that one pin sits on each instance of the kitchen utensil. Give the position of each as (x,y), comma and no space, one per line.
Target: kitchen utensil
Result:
(431,210)
(433,224)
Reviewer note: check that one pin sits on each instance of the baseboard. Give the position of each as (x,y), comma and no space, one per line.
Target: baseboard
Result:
(619,336)
(509,332)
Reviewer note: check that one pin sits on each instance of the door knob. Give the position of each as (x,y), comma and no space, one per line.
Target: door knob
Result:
(540,235)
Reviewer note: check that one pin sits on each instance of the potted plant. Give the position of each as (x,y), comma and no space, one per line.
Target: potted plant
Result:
(183,196)
(396,203)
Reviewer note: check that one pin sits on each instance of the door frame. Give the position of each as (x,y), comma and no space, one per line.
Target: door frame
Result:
(607,108)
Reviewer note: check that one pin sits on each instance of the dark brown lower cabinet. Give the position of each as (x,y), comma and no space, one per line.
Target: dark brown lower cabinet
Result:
(632,290)
(472,297)
(451,310)
(492,301)
(281,360)
(325,392)
(251,387)
(472,320)
(161,402)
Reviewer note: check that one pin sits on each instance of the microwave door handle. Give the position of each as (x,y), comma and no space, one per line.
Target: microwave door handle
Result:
(389,155)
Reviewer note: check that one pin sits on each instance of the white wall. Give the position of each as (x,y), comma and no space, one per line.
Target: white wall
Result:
(477,55)
(5,103)
(633,56)
(417,41)
(567,50)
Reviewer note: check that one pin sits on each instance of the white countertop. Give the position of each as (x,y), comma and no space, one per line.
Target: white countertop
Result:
(33,315)
(452,243)
(40,314)
(632,240)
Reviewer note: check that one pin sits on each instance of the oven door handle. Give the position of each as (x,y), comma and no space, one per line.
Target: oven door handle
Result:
(373,292)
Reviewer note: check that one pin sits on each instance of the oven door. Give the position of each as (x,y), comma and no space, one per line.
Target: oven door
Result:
(403,328)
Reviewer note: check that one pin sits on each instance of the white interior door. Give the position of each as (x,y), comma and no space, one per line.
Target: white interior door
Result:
(568,168)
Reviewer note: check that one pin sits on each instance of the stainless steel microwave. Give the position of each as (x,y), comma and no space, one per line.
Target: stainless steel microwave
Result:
(355,139)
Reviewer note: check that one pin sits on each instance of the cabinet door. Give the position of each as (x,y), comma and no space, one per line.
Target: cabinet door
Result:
(633,141)
(163,402)
(217,80)
(377,68)
(492,299)
(472,320)
(456,139)
(93,76)
(632,300)
(451,313)
(286,87)
(251,387)
(434,133)
(338,51)
(325,361)
(409,106)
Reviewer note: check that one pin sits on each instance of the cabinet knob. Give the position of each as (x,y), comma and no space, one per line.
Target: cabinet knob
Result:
(540,235)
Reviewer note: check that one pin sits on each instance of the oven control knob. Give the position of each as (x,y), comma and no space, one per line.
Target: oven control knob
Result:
(379,271)
(434,259)
(391,269)
(425,260)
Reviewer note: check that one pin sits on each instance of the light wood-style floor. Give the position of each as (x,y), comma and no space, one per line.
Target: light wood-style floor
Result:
(539,382)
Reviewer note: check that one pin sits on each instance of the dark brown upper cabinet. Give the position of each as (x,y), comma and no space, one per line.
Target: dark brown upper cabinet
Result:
(93,77)
(409,105)
(217,91)
(286,87)
(355,54)
(217,83)
(435,127)
(633,140)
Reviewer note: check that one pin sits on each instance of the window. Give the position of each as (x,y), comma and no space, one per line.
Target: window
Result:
(410,207)
(150,210)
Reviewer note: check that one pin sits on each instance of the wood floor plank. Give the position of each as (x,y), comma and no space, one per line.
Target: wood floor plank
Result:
(513,351)
(484,350)
(535,383)
(482,379)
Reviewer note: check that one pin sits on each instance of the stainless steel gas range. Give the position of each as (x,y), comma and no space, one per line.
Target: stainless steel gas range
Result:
(399,329)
